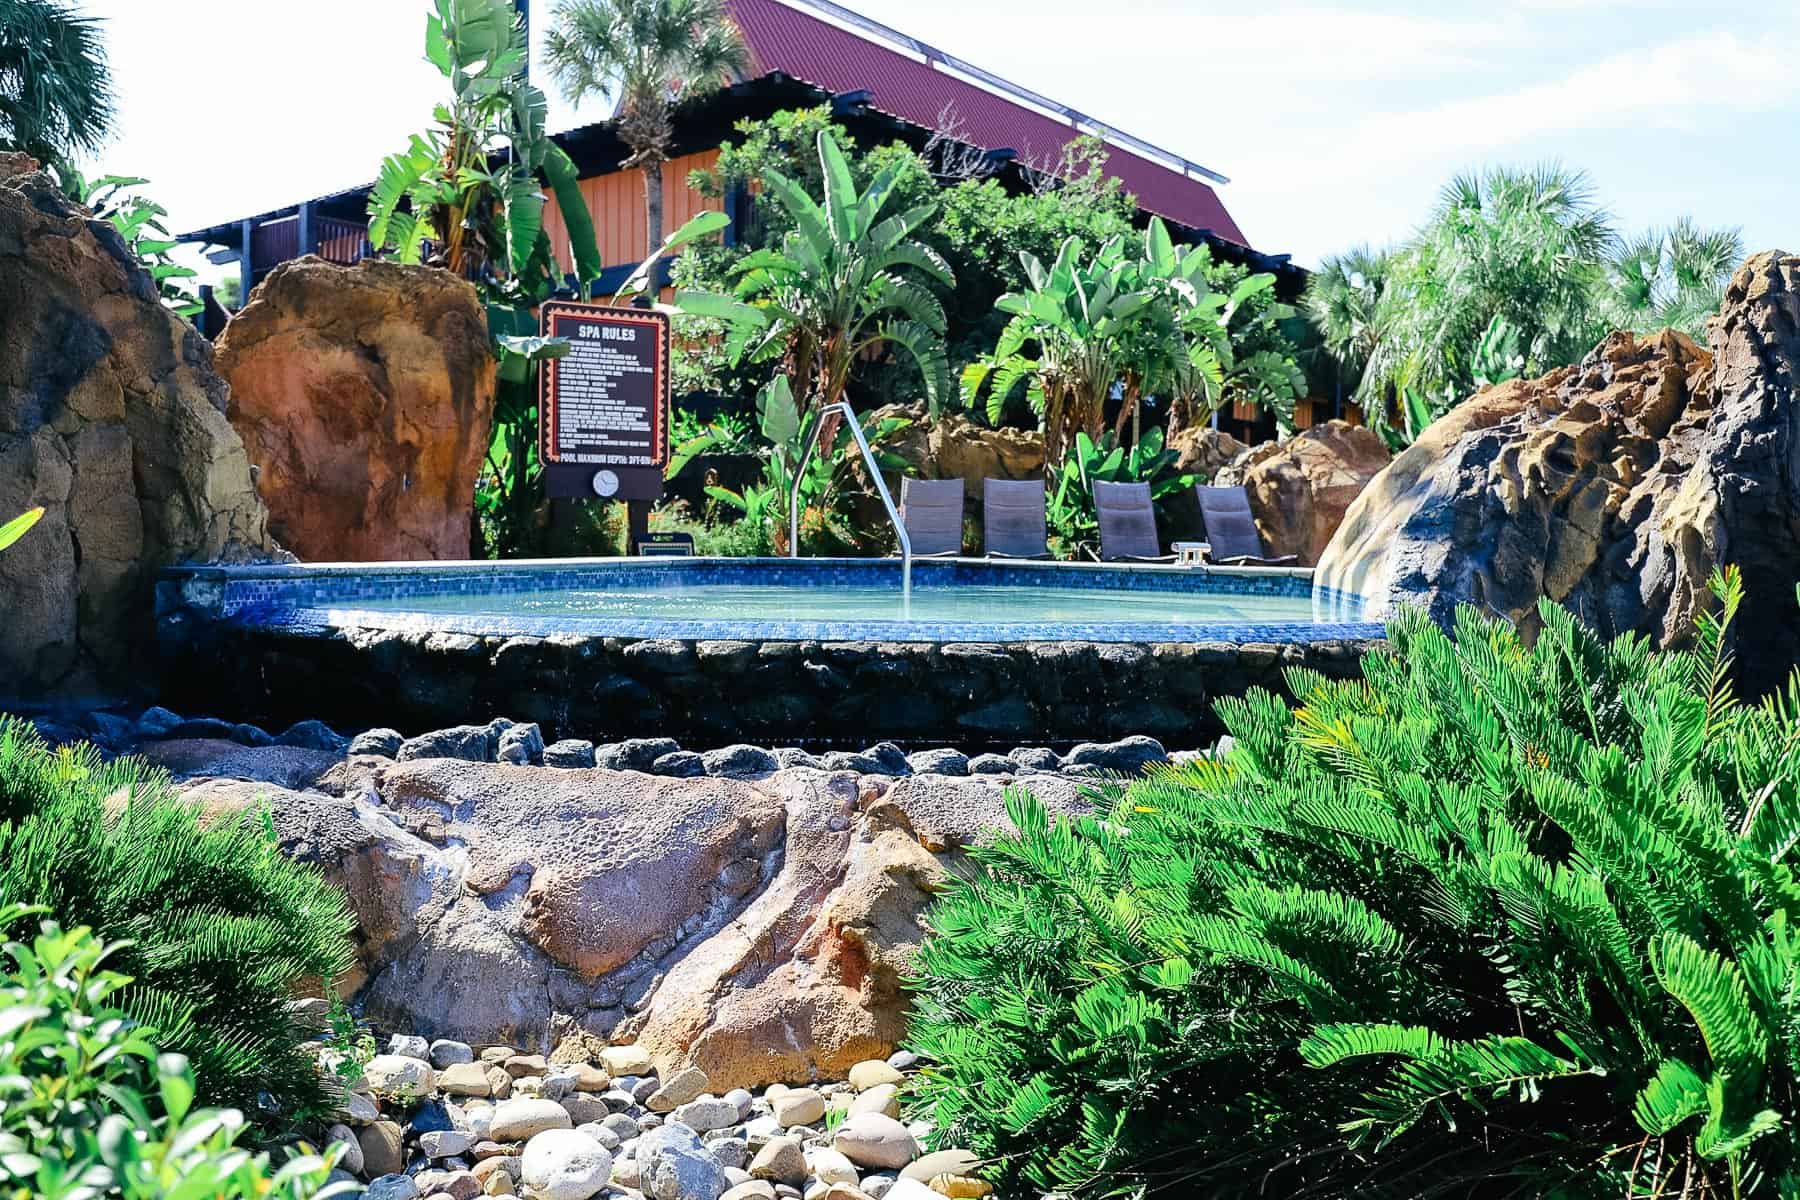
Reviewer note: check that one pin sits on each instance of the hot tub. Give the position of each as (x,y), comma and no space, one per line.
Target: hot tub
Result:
(772,650)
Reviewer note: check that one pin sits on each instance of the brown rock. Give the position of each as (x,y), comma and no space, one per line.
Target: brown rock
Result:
(381,1148)
(365,395)
(1614,486)
(1204,451)
(113,419)
(950,446)
(1300,489)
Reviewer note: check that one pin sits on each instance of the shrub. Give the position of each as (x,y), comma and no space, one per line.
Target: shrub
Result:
(75,1100)
(218,928)
(1494,919)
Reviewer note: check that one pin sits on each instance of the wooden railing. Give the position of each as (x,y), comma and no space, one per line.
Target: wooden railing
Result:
(341,241)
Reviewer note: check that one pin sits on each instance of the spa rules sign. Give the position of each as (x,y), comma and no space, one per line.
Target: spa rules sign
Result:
(605,404)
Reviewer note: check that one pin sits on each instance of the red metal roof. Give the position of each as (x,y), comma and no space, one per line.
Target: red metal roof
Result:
(808,48)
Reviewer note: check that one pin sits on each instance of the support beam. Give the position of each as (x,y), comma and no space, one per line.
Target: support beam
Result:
(308,242)
(247,259)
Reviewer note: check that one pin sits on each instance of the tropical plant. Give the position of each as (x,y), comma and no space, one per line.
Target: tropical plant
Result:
(1496,358)
(56,98)
(220,926)
(17,528)
(89,1109)
(1070,509)
(1080,314)
(847,284)
(139,222)
(1671,278)
(470,183)
(652,55)
(1343,300)
(1494,919)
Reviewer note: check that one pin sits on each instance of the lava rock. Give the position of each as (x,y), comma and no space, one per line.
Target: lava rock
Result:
(383,743)
(1035,758)
(938,762)
(992,764)
(740,762)
(521,745)
(251,735)
(157,722)
(634,754)
(570,752)
(682,764)
(314,735)
(1127,756)
(889,759)
(471,743)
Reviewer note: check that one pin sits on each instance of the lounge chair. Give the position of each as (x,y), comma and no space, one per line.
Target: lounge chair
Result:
(1012,519)
(1231,530)
(933,512)
(1127,523)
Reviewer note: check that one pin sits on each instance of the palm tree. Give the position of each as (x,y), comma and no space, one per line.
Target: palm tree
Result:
(651,54)
(1342,299)
(847,283)
(1671,278)
(56,95)
(1526,245)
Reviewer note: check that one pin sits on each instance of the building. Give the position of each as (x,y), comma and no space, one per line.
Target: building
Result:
(881,84)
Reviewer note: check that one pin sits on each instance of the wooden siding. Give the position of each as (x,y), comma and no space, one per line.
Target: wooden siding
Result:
(617,204)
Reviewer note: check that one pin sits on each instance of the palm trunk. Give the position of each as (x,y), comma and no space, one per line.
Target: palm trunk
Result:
(653,200)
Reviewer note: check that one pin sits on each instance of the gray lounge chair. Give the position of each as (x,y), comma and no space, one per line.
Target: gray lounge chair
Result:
(1012,519)
(1231,530)
(1127,523)
(933,512)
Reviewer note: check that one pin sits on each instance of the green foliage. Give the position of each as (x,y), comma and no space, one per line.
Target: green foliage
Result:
(1069,504)
(651,55)
(848,281)
(56,97)
(139,222)
(89,1109)
(1529,247)
(218,925)
(1493,919)
(18,526)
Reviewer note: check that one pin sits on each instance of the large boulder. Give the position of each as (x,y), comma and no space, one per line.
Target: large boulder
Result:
(1614,486)
(113,419)
(1300,489)
(950,446)
(757,929)
(365,395)
(1204,451)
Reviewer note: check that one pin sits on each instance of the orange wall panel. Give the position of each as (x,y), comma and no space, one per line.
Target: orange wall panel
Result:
(616,202)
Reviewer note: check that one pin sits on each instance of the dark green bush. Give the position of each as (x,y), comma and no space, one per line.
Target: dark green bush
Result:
(89,1109)
(218,927)
(1494,920)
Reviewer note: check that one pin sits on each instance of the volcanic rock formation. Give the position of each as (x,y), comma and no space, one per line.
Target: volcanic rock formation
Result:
(1615,486)
(365,396)
(113,419)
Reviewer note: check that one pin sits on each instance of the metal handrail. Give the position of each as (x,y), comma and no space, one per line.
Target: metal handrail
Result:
(887,500)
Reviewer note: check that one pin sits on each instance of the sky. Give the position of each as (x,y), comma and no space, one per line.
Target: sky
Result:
(1336,123)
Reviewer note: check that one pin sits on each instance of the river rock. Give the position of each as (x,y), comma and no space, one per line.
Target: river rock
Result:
(875,1140)
(381,1148)
(781,1160)
(673,1165)
(561,1164)
(112,418)
(364,395)
(1614,487)
(678,1089)
(798,1106)
(521,1118)
(399,1075)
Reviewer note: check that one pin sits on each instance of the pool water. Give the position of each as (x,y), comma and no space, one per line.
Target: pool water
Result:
(1012,604)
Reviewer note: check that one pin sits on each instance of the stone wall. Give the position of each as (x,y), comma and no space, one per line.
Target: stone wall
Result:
(113,419)
(773,692)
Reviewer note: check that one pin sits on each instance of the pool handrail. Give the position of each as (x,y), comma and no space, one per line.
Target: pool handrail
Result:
(887,501)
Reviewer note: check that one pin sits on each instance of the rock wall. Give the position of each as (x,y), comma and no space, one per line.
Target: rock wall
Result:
(950,446)
(1300,489)
(1614,486)
(365,395)
(112,417)
(757,928)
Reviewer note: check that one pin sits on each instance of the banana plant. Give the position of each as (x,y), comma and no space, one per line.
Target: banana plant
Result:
(847,283)
(1081,315)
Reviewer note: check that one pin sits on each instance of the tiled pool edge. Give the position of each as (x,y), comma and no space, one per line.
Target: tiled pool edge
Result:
(280,664)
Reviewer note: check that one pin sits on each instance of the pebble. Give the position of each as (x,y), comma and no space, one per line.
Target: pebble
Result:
(801,1106)
(678,1089)
(871,1073)
(562,1164)
(517,1120)
(875,1140)
(705,1114)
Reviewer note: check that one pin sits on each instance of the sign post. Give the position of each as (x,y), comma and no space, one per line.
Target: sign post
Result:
(604,408)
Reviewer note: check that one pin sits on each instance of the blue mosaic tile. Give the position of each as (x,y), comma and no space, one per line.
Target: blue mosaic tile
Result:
(318,598)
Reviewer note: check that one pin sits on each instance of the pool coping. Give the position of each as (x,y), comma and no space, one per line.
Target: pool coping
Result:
(321,616)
